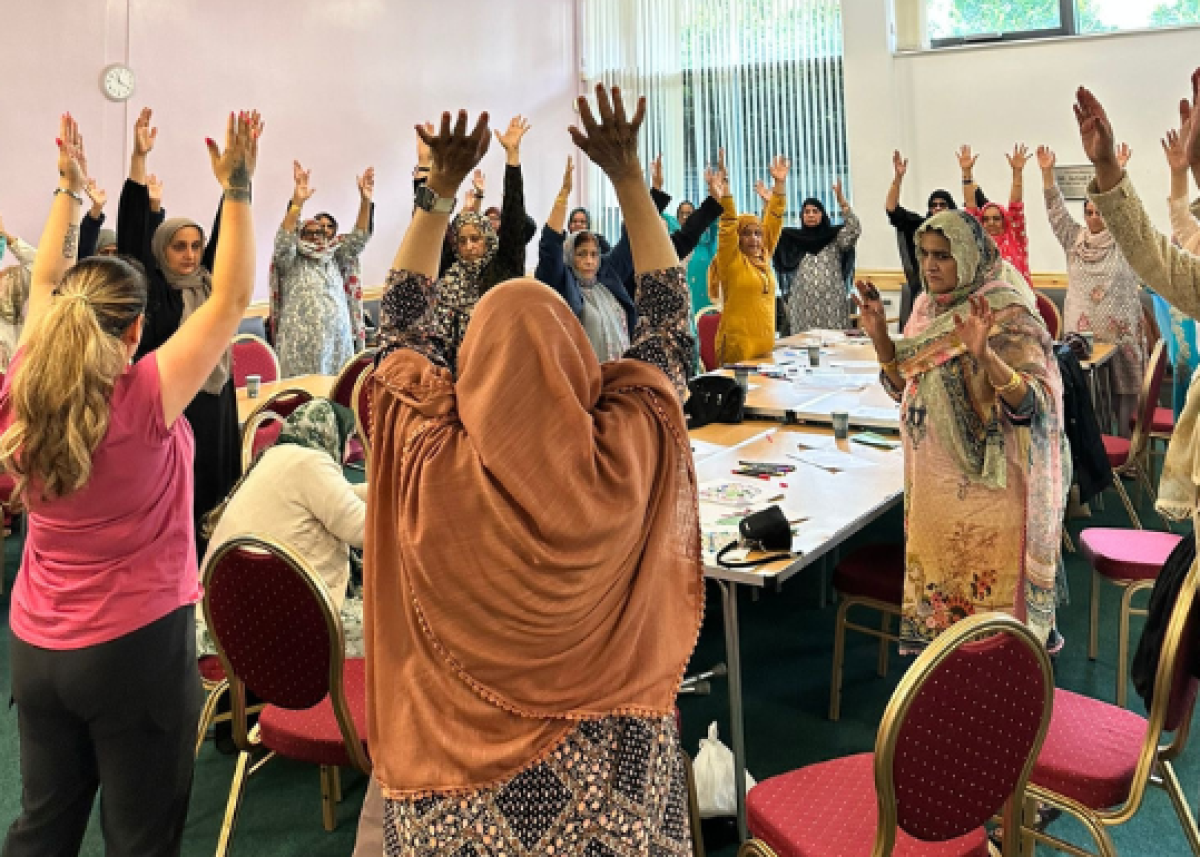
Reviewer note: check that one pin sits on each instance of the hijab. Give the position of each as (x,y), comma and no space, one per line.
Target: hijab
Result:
(569,243)
(320,250)
(796,243)
(532,547)
(194,288)
(944,196)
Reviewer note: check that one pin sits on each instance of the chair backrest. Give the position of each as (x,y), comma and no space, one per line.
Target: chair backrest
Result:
(253,356)
(277,633)
(260,432)
(1177,668)
(361,404)
(1048,310)
(342,390)
(1147,401)
(708,320)
(962,731)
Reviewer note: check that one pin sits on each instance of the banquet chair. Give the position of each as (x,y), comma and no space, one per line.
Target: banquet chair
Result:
(871,577)
(1130,456)
(708,320)
(262,427)
(342,392)
(1098,758)
(253,356)
(955,746)
(279,636)
(1130,559)
(361,402)
(1050,314)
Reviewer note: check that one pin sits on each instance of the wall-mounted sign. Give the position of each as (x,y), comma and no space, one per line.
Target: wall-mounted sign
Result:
(1074,181)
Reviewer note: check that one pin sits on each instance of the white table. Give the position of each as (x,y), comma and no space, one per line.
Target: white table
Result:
(835,506)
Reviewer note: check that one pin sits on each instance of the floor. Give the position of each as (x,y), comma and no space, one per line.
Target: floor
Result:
(786,645)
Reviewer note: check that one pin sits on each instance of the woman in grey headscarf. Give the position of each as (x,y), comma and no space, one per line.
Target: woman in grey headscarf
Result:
(178,262)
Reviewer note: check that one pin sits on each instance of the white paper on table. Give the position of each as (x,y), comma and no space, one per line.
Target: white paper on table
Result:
(856,366)
(815,441)
(833,459)
(702,449)
(868,412)
(830,381)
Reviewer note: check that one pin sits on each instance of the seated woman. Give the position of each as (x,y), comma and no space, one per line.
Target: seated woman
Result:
(744,283)
(295,492)
(1006,226)
(817,256)
(527,630)
(1103,291)
(581,221)
(316,297)
(980,416)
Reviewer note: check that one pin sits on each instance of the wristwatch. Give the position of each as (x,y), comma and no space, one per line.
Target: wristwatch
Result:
(427,200)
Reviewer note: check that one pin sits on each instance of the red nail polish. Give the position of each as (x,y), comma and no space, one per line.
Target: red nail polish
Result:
(56,140)
(210,141)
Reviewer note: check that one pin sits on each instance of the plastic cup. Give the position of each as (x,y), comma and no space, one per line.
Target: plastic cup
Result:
(841,425)
(814,355)
(742,376)
(253,382)
(1089,338)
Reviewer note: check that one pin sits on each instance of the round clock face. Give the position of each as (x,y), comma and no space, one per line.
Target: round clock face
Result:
(117,81)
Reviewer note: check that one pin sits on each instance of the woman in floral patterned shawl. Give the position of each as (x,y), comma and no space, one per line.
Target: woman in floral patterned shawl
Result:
(981,404)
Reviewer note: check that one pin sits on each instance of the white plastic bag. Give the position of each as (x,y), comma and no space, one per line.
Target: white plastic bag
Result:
(714,777)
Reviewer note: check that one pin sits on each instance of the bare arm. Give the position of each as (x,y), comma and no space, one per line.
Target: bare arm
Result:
(366,192)
(302,192)
(966,164)
(1017,160)
(188,357)
(899,169)
(144,136)
(557,219)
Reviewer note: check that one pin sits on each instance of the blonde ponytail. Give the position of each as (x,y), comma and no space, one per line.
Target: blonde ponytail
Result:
(61,392)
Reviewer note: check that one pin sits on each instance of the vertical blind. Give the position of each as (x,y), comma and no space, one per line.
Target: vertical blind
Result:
(759,77)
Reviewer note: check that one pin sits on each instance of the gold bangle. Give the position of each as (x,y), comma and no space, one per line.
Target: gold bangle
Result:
(1013,384)
(887,365)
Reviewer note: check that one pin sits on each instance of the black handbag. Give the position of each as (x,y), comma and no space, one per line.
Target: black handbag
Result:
(767,530)
(715,399)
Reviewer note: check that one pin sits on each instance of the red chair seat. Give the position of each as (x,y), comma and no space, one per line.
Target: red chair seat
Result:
(211,669)
(1163,421)
(311,734)
(354,451)
(874,571)
(1091,750)
(831,809)
(1127,554)
(1117,449)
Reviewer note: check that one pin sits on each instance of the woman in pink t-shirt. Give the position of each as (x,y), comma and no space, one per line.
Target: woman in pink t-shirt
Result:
(103,658)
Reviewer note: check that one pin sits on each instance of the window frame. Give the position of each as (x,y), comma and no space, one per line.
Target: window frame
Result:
(1068,27)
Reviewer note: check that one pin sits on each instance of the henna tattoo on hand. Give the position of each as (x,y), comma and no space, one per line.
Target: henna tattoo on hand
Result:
(237,194)
(71,242)
(239,176)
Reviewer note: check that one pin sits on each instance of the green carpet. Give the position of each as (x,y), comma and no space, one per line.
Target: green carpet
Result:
(786,649)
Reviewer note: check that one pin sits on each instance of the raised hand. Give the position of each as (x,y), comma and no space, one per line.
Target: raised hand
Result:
(454,151)
(144,135)
(303,189)
(1046,158)
(154,187)
(72,162)
(764,193)
(518,127)
(611,141)
(872,315)
(976,327)
(656,173)
(721,168)
(899,165)
(718,187)
(779,168)
(837,192)
(1124,153)
(568,182)
(1095,131)
(424,156)
(366,184)
(96,194)
(1189,123)
(479,183)
(234,167)
(1177,158)
(1019,157)
(966,158)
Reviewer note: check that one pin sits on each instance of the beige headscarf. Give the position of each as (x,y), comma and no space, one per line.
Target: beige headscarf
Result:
(532,547)
(194,288)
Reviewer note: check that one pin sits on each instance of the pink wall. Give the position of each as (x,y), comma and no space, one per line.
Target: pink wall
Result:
(340,82)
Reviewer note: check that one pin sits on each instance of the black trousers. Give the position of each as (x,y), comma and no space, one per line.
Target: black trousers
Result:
(120,718)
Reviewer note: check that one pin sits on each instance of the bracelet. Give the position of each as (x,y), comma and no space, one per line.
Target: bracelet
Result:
(78,197)
(968,181)
(888,365)
(1013,383)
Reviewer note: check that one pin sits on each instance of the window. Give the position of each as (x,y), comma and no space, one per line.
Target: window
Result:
(954,22)
(757,77)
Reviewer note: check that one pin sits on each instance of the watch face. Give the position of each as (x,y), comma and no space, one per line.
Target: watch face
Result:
(118,82)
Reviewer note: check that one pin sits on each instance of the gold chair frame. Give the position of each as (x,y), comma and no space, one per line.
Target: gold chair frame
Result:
(1154,765)
(364,434)
(248,740)
(1058,316)
(348,366)
(884,633)
(260,418)
(1137,465)
(256,419)
(250,337)
(906,692)
(1130,589)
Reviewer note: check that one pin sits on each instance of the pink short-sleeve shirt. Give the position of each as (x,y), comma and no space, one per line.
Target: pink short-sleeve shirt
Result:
(119,553)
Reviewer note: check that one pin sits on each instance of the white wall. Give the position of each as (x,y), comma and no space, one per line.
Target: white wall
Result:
(340,82)
(927,104)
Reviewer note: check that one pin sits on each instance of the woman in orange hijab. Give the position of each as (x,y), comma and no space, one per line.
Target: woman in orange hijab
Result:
(744,280)
(533,579)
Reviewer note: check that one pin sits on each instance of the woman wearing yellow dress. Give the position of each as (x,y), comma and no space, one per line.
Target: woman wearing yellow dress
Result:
(745,285)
